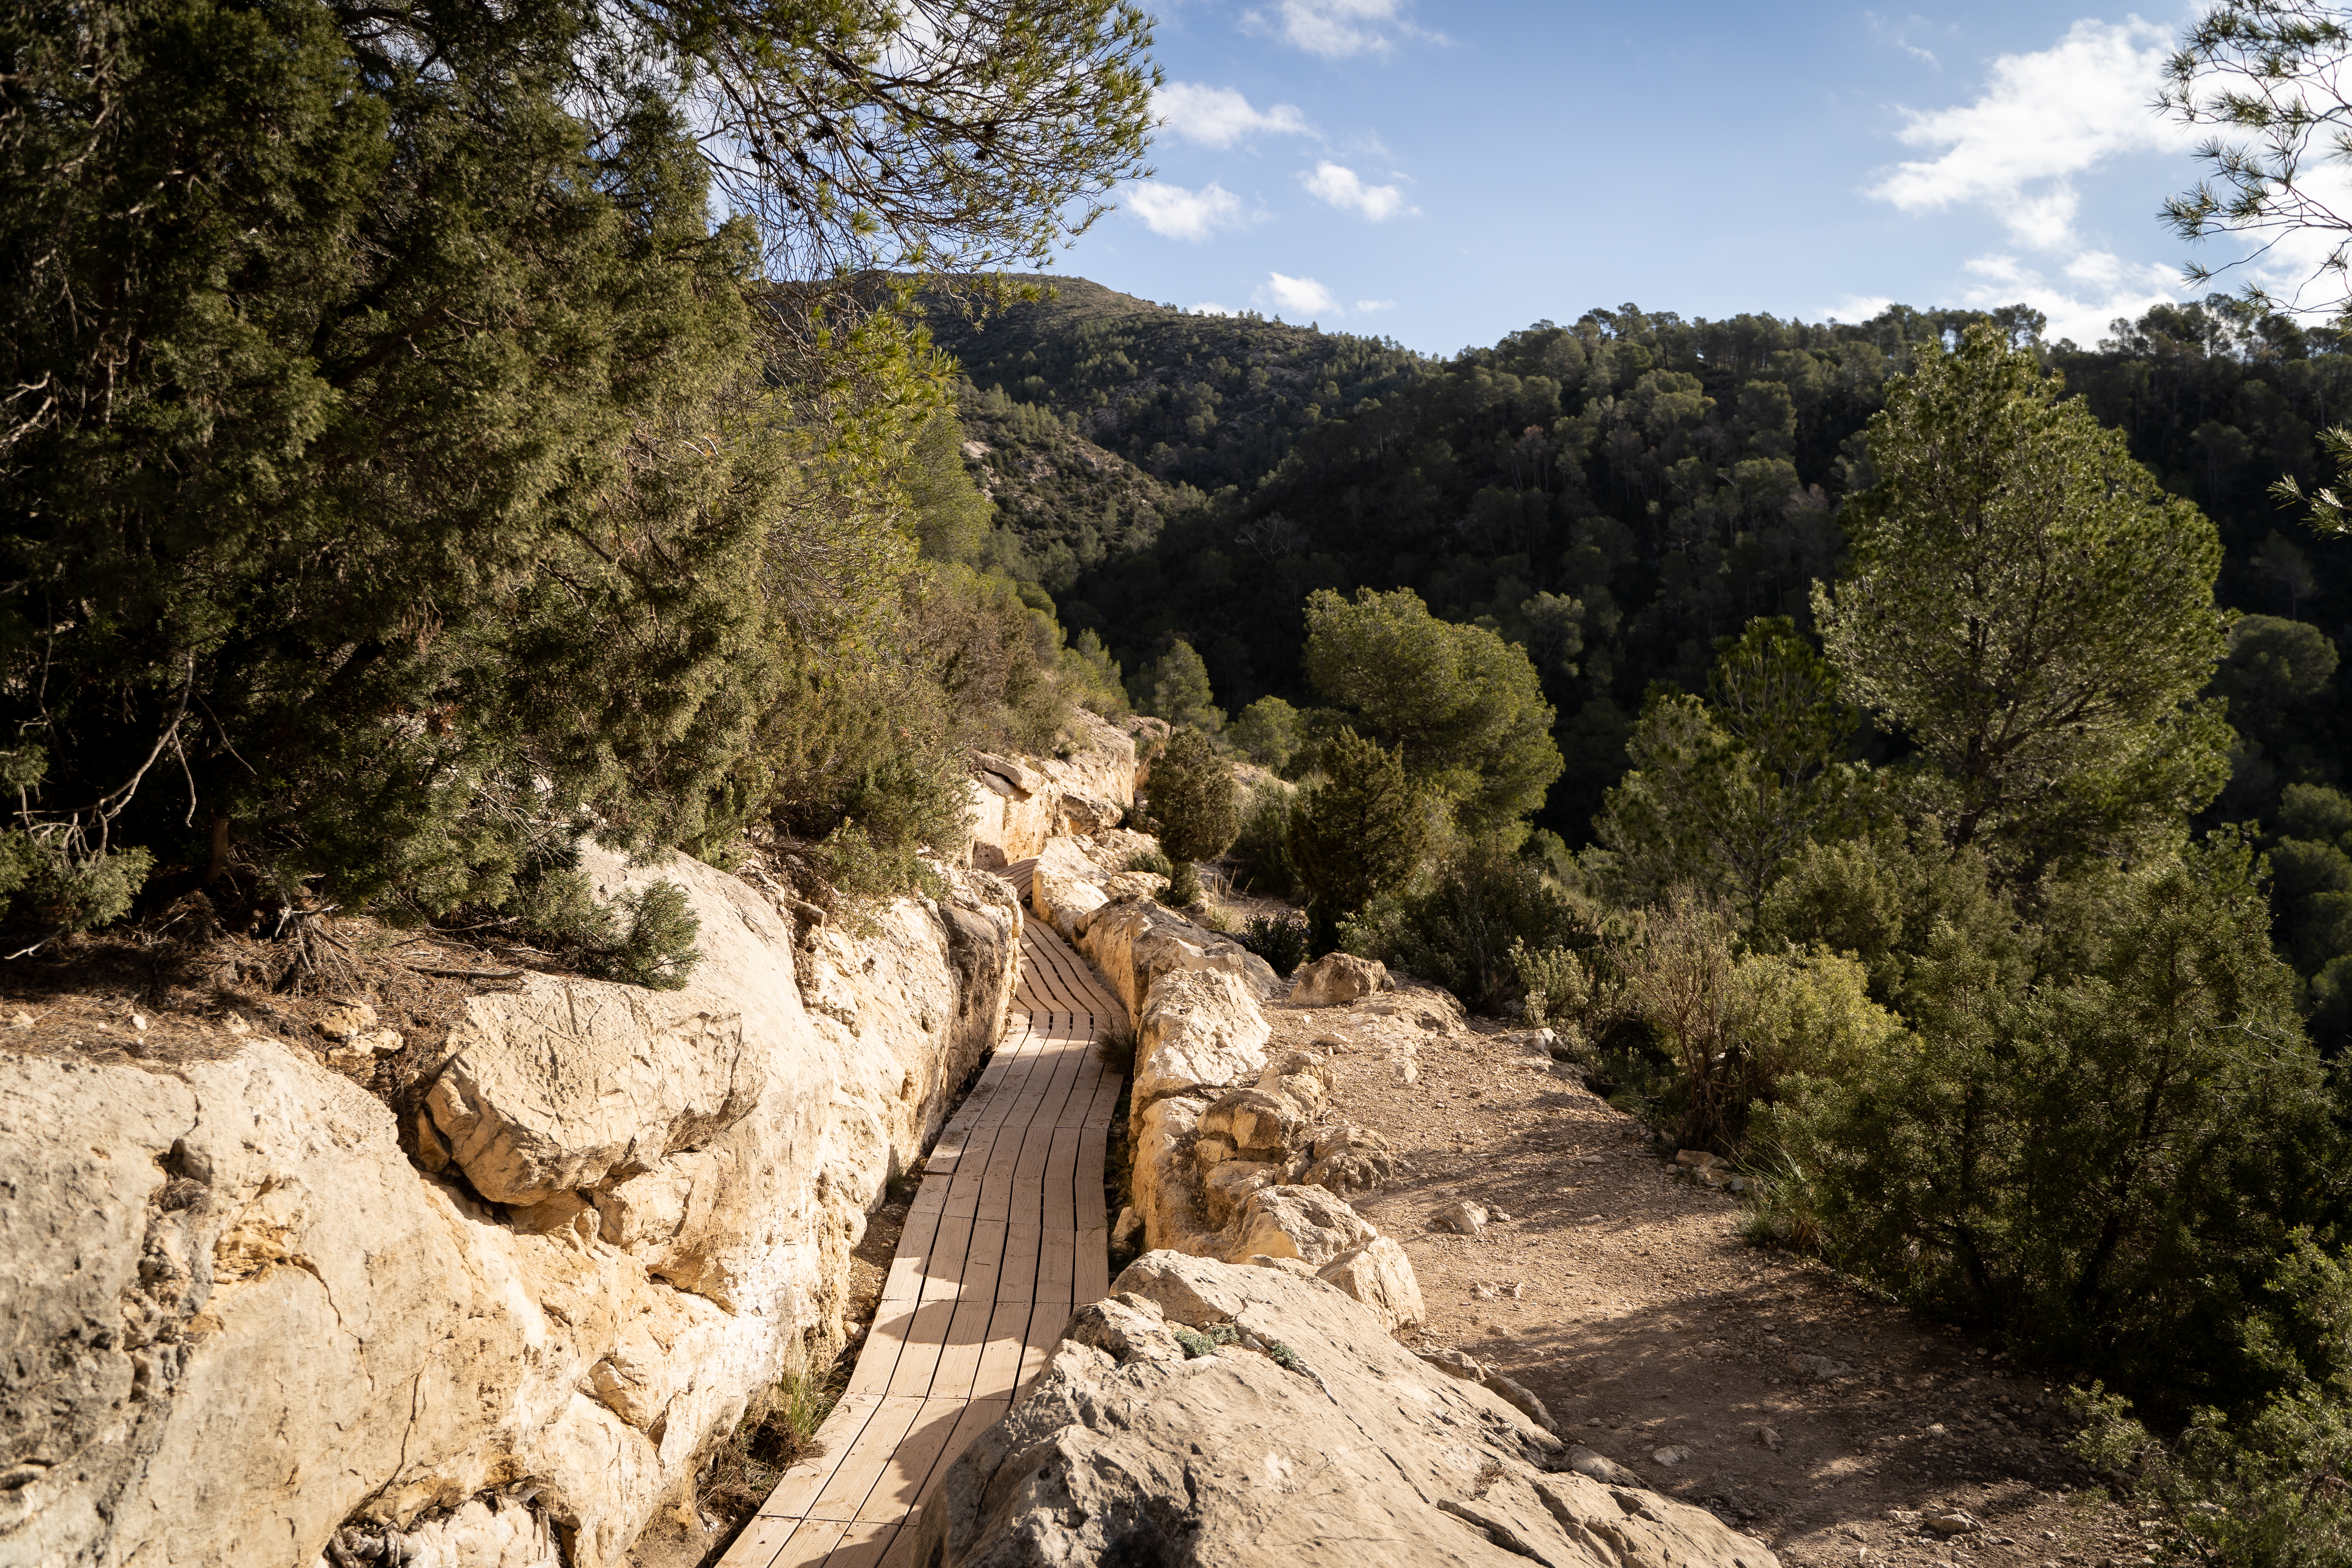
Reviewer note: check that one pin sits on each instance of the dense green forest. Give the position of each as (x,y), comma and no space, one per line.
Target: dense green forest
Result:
(1617,496)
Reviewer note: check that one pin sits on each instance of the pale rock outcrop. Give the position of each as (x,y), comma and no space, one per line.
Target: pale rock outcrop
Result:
(1379,1276)
(242,1319)
(1019,803)
(1327,1442)
(1337,978)
(1199,1030)
(1133,943)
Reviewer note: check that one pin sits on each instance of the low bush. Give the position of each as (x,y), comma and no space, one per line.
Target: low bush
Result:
(1280,940)
(2104,1163)
(1462,931)
(2268,1489)
(1261,861)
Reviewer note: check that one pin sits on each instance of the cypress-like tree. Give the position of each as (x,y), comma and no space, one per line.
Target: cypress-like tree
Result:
(1359,832)
(1195,809)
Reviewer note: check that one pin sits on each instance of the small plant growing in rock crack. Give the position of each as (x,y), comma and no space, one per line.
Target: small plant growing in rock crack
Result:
(1115,1050)
(1285,1358)
(778,1430)
(1196,1343)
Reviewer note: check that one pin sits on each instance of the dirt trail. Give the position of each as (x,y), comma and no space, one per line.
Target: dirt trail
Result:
(1813,1414)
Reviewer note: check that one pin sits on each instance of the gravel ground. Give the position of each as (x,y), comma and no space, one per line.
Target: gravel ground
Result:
(1618,1290)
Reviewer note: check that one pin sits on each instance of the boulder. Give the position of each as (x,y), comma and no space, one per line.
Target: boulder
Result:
(1166,1184)
(1198,1030)
(1462,1217)
(1304,1223)
(1133,942)
(1065,887)
(1351,1161)
(572,1083)
(1379,1276)
(1332,1445)
(1339,977)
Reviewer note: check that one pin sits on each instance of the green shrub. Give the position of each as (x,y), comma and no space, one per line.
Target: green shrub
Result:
(2104,1161)
(1269,733)
(1195,808)
(645,938)
(1260,855)
(1462,933)
(2267,1488)
(1151,860)
(1280,940)
(1359,832)
(1554,985)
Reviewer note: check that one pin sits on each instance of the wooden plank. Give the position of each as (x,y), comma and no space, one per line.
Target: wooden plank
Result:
(853,1480)
(926,1337)
(900,1487)
(879,1359)
(941,1275)
(1090,1278)
(999,1358)
(838,1435)
(760,1544)
(863,1544)
(812,1544)
(971,1420)
(960,1356)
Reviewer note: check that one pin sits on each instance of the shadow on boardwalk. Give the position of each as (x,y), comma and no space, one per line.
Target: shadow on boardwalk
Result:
(1006,1235)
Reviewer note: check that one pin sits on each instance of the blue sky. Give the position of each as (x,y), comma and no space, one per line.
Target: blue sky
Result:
(1444,174)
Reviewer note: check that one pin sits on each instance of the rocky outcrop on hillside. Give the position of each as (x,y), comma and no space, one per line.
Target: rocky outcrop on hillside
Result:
(249,1315)
(1018,804)
(1236,1155)
(1211,1413)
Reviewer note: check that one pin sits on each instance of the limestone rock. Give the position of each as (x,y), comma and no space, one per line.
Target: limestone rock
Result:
(244,1321)
(572,1082)
(1339,977)
(1462,1216)
(1589,1462)
(1351,1451)
(1304,1223)
(344,1022)
(1018,804)
(1379,1275)
(1198,1029)
(1351,1161)
(1133,942)
(1167,1188)
(1229,1185)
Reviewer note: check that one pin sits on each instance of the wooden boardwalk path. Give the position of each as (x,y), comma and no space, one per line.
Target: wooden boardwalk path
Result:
(1007,1234)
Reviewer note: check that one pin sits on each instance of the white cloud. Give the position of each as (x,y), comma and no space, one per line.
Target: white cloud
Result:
(1335,28)
(1858,307)
(1374,307)
(1898,34)
(2042,119)
(1220,116)
(2090,291)
(1175,212)
(1342,189)
(1296,297)
(1211,308)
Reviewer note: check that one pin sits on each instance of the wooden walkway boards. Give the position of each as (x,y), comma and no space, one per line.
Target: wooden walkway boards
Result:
(1007,1234)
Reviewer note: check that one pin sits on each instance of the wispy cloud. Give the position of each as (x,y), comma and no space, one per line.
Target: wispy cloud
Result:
(2042,119)
(1336,29)
(1176,213)
(1220,116)
(1342,188)
(1211,308)
(1899,34)
(1287,296)
(1858,307)
(1374,307)
(2087,294)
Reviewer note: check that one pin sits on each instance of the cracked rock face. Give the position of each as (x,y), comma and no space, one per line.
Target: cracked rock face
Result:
(241,1323)
(1209,1412)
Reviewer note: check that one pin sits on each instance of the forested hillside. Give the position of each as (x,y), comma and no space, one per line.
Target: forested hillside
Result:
(1616,494)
